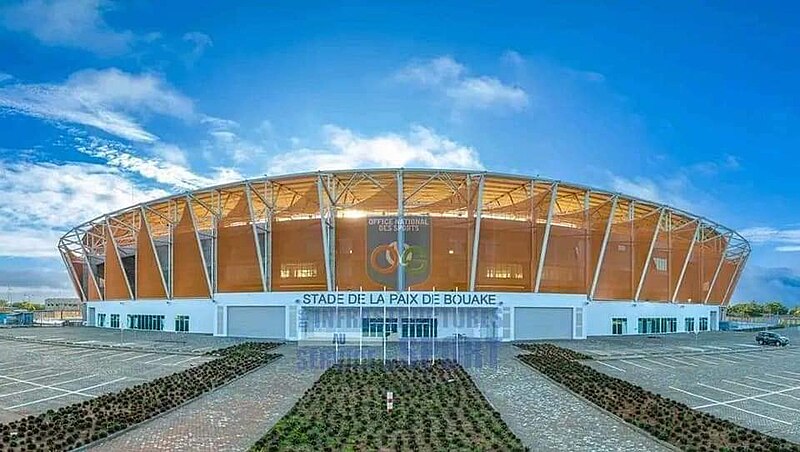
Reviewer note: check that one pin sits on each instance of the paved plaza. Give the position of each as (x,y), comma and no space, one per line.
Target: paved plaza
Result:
(722,373)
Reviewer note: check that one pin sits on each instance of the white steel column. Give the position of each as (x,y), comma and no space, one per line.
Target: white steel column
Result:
(603,247)
(146,224)
(199,244)
(719,267)
(477,237)
(734,277)
(401,236)
(119,257)
(71,269)
(543,253)
(260,255)
(649,256)
(92,277)
(686,263)
(326,249)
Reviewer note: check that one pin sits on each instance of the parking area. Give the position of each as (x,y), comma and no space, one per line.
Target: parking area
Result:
(156,341)
(725,374)
(677,343)
(36,377)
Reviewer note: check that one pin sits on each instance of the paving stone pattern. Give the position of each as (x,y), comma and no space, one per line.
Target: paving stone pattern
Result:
(548,418)
(231,418)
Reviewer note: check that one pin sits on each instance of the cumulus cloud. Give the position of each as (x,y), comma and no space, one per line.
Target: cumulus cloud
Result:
(164,172)
(43,200)
(68,23)
(420,147)
(784,240)
(106,100)
(452,80)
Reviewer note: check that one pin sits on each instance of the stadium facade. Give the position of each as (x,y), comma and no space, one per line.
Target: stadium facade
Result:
(404,253)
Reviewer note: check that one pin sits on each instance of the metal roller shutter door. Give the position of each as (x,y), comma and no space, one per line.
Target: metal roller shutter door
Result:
(257,321)
(542,323)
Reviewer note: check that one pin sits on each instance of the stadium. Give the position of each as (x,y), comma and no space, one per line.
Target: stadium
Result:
(406,253)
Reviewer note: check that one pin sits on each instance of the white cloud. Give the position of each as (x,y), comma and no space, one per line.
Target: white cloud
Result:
(420,147)
(784,240)
(451,79)
(41,201)
(68,23)
(663,190)
(106,100)
(163,172)
(485,92)
(200,42)
(5,77)
(433,72)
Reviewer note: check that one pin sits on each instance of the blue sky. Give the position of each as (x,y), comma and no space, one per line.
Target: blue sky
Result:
(107,103)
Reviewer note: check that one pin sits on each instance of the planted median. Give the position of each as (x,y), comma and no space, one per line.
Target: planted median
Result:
(435,407)
(665,419)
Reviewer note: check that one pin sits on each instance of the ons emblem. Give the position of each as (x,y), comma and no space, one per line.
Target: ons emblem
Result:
(385,258)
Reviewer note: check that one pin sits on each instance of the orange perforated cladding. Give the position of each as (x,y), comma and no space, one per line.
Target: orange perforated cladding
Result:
(681,241)
(690,290)
(239,268)
(94,294)
(351,255)
(149,283)
(189,277)
(656,285)
(450,253)
(297,256)
(573,250)
(710,256)
(732,288)
(615,281)
(726,273)
(115,279)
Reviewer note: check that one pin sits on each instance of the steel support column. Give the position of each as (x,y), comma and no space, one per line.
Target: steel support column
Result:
(477,237)
(119,258)
(719,267)
(649,255)
(603,247)
(326,239)
(145,224)
(401,237)
(686,263)
(199,245)
(734,277)
(543,253)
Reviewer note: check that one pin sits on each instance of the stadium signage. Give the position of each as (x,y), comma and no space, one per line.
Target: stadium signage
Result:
(399,298)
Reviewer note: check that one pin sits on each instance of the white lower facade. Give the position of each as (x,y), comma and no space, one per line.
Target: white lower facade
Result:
(297,316)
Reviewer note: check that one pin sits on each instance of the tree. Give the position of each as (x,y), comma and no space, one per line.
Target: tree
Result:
(775,308)
(751,309)
(795,312)
(27,305)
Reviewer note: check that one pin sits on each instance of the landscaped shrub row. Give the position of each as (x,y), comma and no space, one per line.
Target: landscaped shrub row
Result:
(245,347)
(436,407)
(663,418)
(552,351)
(82,423)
